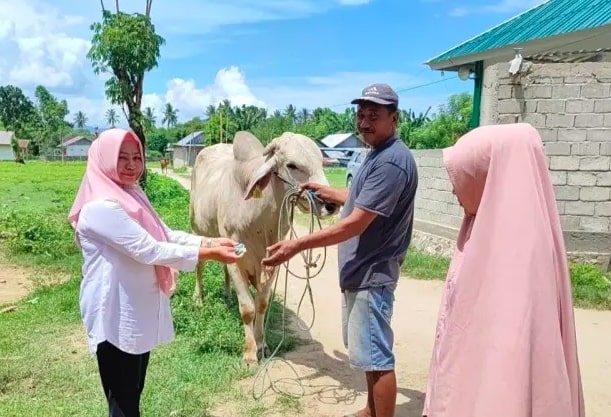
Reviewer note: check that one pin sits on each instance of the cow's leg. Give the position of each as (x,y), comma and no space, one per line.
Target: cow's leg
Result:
(247,311)
(262,299)
(198,296)
(227,283)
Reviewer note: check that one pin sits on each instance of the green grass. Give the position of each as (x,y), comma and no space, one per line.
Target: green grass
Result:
(45,367)
(336,176)
(591,286)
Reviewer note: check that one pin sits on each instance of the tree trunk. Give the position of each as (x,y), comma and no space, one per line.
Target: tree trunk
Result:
(135,123)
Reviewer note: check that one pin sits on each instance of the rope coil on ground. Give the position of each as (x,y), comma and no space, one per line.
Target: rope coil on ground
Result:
(313,268)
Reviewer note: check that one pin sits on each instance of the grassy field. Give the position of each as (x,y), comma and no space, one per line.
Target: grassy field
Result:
(45,367)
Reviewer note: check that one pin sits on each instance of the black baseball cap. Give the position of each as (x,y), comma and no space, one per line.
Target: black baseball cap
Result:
(379,93)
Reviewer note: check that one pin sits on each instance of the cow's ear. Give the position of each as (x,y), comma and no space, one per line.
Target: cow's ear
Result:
(246,146)
(259,180)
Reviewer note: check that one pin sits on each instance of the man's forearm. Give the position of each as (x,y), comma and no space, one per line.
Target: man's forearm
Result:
(329,236)
(341,195)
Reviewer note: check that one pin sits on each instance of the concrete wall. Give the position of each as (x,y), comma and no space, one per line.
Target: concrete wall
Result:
(570,105)
(434,199)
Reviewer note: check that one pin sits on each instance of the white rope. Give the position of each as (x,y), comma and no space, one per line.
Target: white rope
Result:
(313,267)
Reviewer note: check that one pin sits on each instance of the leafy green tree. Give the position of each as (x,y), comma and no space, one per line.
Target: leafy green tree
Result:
(52,113)
(17,111)
(452,121)
(126,46)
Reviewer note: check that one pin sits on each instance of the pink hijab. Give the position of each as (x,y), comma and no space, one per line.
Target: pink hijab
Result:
(101,180)
(505,343)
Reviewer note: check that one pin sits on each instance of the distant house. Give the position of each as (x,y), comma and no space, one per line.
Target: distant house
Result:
(185,150)
(6,149)
(77,146)
(338,147)
(342,140)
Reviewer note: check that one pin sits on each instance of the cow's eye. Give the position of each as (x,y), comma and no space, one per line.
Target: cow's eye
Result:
(291,166)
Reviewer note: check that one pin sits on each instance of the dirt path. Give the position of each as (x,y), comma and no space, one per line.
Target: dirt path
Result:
(14,284)
(333,389)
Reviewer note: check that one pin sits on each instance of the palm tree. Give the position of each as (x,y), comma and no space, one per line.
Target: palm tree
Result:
(80,120)
(112,118)
(291,113)
(210,110)
(303,116)
(149,119)
(170,116)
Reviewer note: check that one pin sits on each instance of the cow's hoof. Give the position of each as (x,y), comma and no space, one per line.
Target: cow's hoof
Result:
(250,362)
(263,353)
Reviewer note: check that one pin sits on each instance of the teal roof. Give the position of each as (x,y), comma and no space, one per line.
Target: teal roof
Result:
(555,17)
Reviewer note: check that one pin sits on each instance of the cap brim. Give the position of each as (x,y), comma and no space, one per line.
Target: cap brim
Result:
(372,100)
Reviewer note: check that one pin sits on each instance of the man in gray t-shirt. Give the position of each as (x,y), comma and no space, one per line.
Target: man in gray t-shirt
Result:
(373,235)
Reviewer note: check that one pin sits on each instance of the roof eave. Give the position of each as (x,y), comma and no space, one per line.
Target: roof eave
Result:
(533,47)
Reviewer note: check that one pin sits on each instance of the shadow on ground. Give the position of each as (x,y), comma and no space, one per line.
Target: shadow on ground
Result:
(327,380)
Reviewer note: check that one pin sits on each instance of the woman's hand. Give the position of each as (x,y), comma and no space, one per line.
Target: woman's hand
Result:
(224,241)
(226,254)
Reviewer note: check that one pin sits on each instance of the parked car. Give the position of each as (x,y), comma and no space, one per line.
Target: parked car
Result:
(353,165)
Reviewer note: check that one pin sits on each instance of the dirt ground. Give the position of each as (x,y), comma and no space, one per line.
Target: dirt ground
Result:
(14,284)
(332,389)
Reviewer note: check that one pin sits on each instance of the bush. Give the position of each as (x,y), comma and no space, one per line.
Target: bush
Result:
(591,287)
(36,233)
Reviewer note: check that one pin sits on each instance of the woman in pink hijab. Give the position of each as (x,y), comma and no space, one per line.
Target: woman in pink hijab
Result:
(130,263)
(505,343)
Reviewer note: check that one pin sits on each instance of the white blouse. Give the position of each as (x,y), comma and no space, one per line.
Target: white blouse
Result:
(120,300)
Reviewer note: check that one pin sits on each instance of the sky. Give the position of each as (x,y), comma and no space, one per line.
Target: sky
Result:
(309,53)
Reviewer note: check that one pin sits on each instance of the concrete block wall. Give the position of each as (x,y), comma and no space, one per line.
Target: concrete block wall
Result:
(570,105)
(435,201)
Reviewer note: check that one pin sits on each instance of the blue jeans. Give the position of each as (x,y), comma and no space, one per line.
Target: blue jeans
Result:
(368,336)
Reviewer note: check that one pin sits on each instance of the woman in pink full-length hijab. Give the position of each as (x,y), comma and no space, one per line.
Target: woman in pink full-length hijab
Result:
(505,343)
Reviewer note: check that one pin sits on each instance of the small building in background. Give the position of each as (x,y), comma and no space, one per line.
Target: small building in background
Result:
(337,148)
(76,147)
(6,148)
(185,150)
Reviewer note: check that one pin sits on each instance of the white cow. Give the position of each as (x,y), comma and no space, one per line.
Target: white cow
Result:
(224,178)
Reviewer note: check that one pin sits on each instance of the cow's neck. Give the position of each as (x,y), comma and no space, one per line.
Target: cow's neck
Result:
(279,190)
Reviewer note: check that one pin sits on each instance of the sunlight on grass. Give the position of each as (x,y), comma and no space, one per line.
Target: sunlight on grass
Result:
(45,365)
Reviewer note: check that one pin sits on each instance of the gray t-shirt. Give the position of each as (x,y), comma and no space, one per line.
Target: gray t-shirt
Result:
(386,185)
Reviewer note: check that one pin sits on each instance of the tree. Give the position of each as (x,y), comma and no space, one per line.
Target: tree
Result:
(17,112)
(112,118)
(52,113)
(80,120)
(170,115)
(126,46)
(452,121)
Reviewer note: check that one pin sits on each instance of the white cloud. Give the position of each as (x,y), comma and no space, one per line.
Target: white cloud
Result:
(333,90)
(191,101)
(37,50)
(41,44)
(502,6)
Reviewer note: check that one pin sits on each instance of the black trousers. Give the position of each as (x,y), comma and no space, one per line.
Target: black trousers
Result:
(123,376)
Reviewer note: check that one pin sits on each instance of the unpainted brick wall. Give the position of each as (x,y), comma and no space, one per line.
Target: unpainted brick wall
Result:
(434,199)
(570,105)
